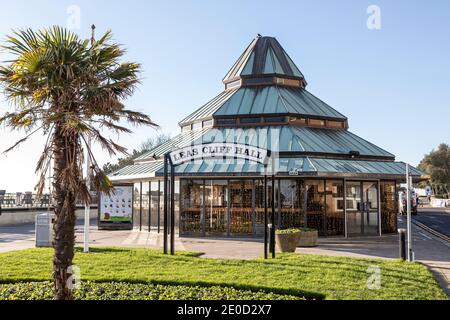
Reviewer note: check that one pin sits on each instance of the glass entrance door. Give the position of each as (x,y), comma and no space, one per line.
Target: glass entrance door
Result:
(370,208)
(362,208)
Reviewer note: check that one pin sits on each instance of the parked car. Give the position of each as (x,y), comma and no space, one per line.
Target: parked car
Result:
(402,202)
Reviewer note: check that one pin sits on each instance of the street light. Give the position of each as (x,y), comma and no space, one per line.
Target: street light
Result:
(408,213)
(87,207)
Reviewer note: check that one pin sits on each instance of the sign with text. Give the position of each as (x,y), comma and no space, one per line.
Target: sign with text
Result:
(116,208)
(219,151)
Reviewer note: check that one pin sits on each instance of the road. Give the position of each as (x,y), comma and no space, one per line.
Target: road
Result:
(436,219)
(21,236)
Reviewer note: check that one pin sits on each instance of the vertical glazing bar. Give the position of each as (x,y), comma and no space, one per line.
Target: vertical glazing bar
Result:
(305,203)
(279,205)
(166,182)
(228,209)
(203,210)
(172,209)
(149,206)
(273,217)
(140,206)
(159,206)
(254,208)
(345,209)
(324,222)
(265,213)
(379,206)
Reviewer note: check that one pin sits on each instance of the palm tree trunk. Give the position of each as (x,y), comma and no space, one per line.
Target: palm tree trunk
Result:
(64,225)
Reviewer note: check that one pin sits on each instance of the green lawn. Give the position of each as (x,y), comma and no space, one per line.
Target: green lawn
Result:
(300,275)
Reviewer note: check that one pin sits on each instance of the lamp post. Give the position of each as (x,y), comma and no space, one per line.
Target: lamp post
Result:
(408,213)
(87,207)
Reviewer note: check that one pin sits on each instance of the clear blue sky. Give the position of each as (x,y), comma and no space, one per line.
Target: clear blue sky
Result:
(393,84)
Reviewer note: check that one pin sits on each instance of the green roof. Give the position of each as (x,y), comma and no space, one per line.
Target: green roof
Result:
(264,100)
(264,56)
(276,100)
(296,139)
(278,139)
(304,166)
(207,110)
(144,170)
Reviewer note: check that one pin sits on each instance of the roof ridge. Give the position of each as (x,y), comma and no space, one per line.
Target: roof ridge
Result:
(262,49)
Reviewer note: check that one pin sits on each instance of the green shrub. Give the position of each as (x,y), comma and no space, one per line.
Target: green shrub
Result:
(133,291)
(294,230)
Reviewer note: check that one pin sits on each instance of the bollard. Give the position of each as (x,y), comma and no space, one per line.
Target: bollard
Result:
(402,243)
(270,237)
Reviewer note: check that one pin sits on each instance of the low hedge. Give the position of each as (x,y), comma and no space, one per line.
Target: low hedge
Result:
(131,291)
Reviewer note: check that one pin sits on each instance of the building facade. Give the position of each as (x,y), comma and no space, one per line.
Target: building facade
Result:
(321,175)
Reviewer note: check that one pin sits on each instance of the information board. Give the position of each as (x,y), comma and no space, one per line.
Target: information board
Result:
(116,209)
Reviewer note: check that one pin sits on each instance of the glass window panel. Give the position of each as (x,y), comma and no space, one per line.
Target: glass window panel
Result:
(197,125)
(191,203)
(353,196)
(250,120)
(207,123)
(259,208)
(335,124)
(370,208)
(136,205)
(335,208)
(216,195)
(315,205)
(156,202)
(241,207)
(362,208)
(145,204)
(275,119)
(225,121)
(316,122)
(291,214)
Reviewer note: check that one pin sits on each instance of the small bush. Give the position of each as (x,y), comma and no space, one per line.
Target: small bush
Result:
(132,291)
(287,231)
(294,230)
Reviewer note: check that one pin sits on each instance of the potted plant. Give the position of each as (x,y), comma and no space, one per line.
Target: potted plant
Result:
(308,237)
(287,240)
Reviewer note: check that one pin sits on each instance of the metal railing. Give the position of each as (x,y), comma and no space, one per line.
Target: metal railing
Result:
(29,200)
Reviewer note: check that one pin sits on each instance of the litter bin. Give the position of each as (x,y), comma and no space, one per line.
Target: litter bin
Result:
(44,230)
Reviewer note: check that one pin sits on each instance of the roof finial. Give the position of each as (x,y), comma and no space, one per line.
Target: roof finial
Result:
(92,34)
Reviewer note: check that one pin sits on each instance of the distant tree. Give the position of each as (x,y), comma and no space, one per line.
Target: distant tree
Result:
(151,143)
(436,164)
(145,147)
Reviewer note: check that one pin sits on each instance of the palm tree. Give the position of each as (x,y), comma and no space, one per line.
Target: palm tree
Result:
(70,89)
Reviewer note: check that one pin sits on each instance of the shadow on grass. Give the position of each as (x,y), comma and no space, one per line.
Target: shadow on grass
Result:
(155,252)
(308,295)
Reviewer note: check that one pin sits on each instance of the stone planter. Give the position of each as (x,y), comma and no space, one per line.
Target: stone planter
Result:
(308,238)
(287,242)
